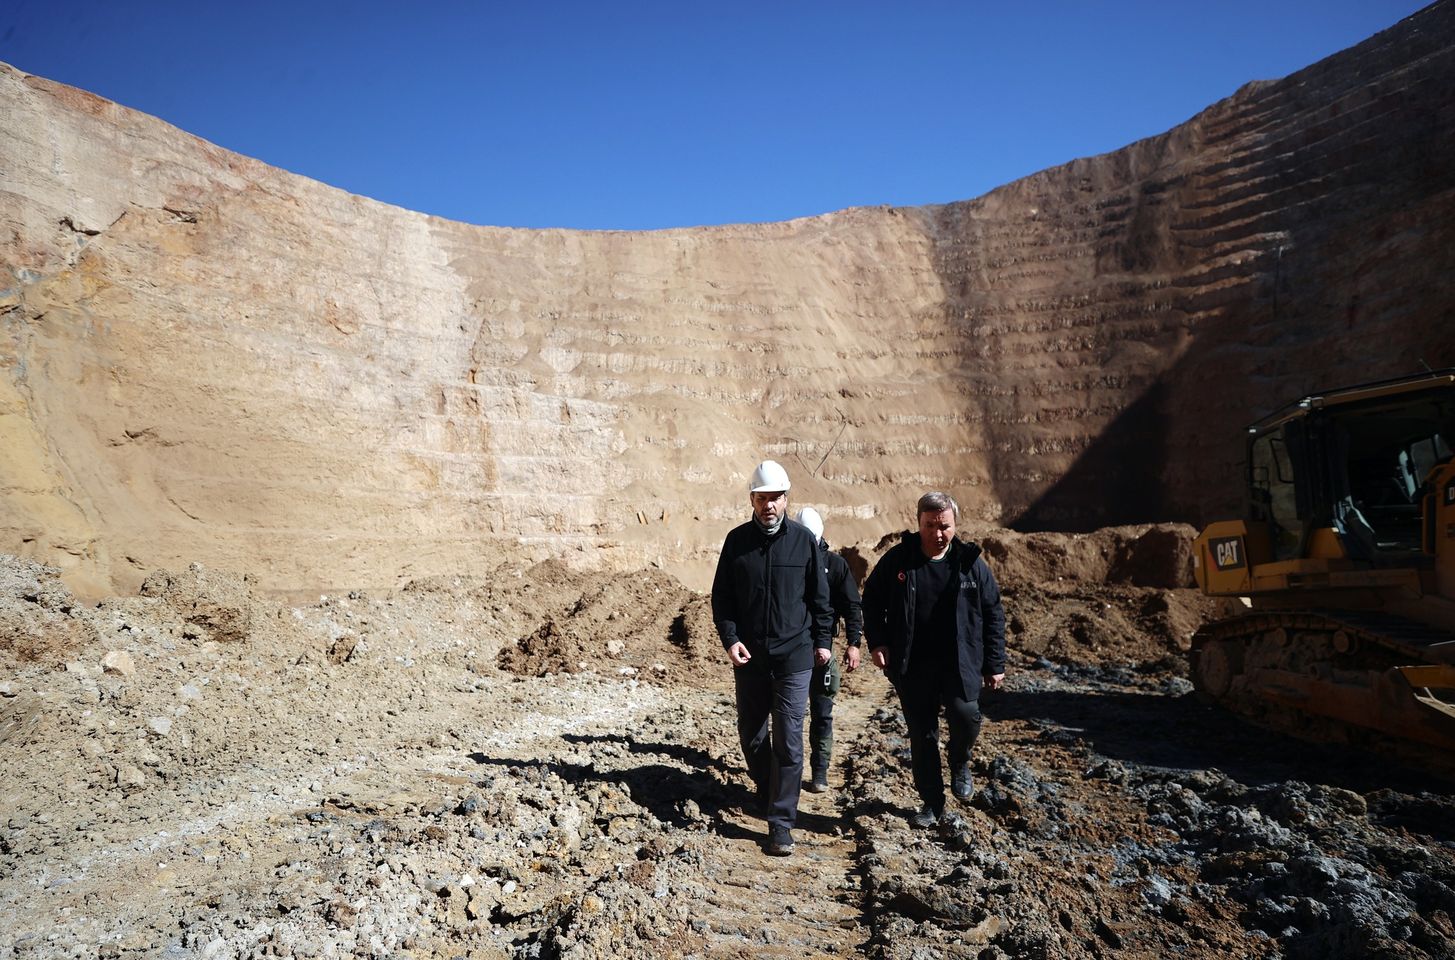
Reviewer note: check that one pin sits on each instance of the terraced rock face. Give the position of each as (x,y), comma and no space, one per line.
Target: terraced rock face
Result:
(208,358)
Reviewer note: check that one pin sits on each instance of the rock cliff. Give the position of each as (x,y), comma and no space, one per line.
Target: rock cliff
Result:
(208,358)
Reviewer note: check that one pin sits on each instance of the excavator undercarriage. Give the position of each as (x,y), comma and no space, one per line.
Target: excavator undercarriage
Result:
(1376,681)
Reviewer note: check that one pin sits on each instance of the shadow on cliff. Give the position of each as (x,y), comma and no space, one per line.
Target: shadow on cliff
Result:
(1117,480)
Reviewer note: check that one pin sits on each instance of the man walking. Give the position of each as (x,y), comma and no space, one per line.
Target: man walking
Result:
(936,627)
(770,602)
(844,599)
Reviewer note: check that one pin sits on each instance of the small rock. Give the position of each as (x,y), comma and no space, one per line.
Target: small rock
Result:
(615,648)
(159,726)
(341,914)
(119,663)
(1158,892)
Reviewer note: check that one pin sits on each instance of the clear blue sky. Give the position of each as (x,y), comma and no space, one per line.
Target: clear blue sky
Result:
(637,115)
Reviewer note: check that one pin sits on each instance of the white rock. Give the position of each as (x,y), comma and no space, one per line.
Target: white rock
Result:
(118,662)
(159,726)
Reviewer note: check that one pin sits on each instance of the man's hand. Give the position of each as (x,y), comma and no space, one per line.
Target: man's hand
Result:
(880,656)
(995,681)
(822,655)
(851,658)
(738,654)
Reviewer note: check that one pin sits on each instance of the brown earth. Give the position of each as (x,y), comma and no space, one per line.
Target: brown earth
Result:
(542,763)
(509,457)
(205,358)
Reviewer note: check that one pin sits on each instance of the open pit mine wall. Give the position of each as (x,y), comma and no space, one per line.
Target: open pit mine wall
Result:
(206,358)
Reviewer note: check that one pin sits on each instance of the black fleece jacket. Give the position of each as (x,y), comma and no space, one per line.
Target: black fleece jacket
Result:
(843,594)
(889,605)
(770,592)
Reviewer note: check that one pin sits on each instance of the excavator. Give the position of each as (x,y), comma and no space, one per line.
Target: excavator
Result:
(1339,583)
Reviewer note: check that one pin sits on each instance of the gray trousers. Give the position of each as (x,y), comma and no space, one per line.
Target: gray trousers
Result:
(773,751)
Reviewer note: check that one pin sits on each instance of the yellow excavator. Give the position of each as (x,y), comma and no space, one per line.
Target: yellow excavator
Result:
(1340,582)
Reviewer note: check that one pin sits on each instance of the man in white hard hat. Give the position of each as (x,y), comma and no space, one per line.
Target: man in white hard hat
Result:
(770,601)
(844,599)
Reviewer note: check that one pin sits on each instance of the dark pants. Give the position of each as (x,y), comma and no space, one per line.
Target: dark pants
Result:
(821,690)
(921,699)
(776,763)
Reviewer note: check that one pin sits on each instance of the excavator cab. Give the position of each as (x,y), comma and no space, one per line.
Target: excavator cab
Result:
(1356,479)
(1342,573)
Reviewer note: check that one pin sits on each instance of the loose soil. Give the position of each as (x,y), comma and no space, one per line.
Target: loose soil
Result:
(542,763)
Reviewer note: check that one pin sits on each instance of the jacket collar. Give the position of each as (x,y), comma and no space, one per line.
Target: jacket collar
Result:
(963,553)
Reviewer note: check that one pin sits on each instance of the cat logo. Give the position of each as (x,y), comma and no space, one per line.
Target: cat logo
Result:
(1227,553)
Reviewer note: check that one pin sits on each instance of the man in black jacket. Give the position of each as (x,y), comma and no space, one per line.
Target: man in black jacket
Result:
(844,598)
(770,601)
(935,625)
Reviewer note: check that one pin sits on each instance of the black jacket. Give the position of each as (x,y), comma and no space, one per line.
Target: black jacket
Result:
(843,595)
(889,605)
(771,593)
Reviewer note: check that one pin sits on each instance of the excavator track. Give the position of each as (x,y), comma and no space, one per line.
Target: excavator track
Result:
(1372,680)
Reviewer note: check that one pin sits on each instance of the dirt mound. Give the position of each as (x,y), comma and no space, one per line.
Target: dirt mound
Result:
(37,614)
(1147,555)
(643,623)
(1120,595)
(1082,623)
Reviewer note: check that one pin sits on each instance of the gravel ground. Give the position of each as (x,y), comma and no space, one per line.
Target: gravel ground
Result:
(542,763)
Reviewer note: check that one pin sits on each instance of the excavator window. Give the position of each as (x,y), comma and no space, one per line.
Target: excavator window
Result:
(1274,499)
(1390,451)
(1357,460)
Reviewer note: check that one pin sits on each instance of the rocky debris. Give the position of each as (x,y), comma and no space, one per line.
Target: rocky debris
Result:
(213,606)
(358,777)
(37,614)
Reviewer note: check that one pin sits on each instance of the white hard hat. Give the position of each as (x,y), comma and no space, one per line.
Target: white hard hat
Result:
(809,517)
(768,476)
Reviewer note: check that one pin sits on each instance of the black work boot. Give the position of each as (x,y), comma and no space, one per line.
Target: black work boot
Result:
(780,842)
(962,784)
